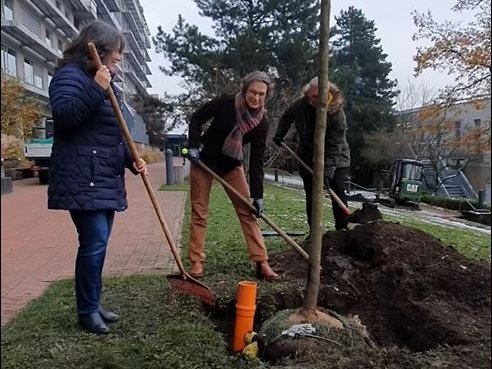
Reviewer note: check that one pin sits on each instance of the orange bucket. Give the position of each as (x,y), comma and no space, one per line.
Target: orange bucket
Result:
(245,313)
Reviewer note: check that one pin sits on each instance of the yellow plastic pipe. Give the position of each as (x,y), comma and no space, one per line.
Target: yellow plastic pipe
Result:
(245,313)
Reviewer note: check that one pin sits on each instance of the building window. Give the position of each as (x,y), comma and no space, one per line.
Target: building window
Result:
(60,45)
(28,72)
(477,123)
(38,76)
(48,37)
(30,20)
(9,61)
(457,128)
(8,9)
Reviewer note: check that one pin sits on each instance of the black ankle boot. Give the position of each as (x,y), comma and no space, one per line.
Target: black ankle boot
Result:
(108,316)
(93,323)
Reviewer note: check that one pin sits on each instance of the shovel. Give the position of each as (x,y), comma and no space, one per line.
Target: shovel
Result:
(284,235)
(182,282)
(366,214)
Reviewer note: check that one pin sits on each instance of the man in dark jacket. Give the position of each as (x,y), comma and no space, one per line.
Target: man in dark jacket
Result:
(337,153)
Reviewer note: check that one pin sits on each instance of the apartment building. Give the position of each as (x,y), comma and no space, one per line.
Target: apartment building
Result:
(460,132)
(35,32)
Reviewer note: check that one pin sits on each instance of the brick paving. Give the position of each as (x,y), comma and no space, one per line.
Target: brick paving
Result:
(38,246)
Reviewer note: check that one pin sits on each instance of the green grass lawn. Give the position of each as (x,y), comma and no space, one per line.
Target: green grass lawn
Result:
(155,332)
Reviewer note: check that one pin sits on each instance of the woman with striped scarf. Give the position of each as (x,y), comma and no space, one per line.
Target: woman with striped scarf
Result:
(236,120)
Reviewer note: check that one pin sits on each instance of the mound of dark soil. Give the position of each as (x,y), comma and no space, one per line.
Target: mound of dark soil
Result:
(408,289)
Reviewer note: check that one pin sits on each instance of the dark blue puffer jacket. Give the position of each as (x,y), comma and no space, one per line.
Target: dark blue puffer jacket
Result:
(89,154)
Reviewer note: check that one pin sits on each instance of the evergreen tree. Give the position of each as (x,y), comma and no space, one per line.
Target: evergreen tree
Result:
(276,36)
(359,67)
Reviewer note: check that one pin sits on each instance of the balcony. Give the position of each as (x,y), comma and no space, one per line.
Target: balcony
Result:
(85,9)
(132,7)
(140,85)
(111,5)
(26,38)
(132,44)
(56,16)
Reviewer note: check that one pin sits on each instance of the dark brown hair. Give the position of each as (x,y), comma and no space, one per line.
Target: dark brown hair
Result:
(105,37)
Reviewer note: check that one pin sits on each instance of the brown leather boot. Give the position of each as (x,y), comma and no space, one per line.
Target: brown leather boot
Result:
(196,269)
(264,271)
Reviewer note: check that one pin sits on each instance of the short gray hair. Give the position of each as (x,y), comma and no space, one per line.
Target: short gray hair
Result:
(257,76)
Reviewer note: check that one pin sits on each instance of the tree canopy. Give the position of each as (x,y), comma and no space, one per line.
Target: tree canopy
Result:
(19,111)
(462,50)
(279,37)
(359,67)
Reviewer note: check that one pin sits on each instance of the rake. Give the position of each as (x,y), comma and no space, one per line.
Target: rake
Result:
(183,282)
(284,235)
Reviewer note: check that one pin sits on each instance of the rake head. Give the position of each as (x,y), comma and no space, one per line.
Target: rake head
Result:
(187,285)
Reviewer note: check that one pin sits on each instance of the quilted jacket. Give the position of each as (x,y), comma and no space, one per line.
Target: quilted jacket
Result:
(89,154)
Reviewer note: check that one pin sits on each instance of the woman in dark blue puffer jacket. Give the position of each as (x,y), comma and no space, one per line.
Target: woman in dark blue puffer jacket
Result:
(88,161)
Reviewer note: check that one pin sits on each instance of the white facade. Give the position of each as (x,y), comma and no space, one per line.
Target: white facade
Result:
(35,32)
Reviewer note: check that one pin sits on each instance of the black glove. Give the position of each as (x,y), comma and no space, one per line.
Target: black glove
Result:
(328,176)
(258,204)
(194,155)
(277,141)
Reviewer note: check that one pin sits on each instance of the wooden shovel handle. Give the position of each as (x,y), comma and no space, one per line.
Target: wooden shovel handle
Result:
(284,235)
(136,159)
(332,193)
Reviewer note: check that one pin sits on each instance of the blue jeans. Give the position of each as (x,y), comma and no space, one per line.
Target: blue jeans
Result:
(94,228)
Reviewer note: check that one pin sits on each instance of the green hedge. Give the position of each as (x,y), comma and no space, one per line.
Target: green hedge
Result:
(450,203)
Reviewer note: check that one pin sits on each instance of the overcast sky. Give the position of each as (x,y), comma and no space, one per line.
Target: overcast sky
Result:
(392,18)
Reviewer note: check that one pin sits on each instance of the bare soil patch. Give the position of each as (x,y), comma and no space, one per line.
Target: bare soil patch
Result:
(422,302)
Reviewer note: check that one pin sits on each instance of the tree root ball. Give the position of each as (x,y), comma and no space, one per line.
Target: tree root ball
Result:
(332,332)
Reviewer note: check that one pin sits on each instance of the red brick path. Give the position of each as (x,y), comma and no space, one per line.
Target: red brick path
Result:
(39,245)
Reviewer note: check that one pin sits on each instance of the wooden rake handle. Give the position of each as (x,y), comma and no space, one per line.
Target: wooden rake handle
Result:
(136,159)
(284,235)
(332,193)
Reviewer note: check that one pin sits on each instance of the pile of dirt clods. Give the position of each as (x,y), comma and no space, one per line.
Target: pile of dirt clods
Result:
(424,305)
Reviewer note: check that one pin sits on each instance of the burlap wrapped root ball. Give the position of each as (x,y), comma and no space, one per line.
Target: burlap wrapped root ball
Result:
(332,331)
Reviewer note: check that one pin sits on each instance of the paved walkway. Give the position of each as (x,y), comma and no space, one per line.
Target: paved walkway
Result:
(39,245)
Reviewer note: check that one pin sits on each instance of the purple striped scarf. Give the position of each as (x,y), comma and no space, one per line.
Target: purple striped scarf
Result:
(246,121)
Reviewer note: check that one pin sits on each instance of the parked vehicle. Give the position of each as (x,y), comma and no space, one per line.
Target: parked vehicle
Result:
(402,185)
(38,150)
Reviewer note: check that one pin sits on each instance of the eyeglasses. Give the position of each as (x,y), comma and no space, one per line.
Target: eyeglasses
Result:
(258,95)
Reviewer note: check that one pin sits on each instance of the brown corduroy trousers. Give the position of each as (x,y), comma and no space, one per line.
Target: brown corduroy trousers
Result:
(200,185)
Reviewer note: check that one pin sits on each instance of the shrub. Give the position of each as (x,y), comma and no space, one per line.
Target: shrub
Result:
(152,155)
(449,203)
(12,147)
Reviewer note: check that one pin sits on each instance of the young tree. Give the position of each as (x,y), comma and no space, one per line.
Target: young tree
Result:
(312,288)
(19,112)
(460,50)
(360,68)
(399,141)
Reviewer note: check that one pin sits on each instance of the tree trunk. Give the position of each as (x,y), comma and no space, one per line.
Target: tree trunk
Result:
(312,289)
